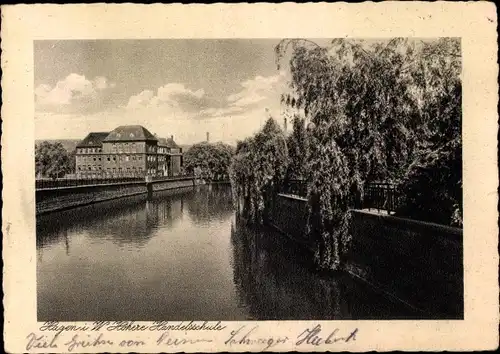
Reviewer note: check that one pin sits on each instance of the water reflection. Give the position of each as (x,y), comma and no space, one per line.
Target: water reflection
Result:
(163,259)
(183,256)
(274,280)
(212,202)
(124,221)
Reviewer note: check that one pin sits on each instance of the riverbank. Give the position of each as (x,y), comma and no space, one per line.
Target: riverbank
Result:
(415,263)
(190,243)
(58,199)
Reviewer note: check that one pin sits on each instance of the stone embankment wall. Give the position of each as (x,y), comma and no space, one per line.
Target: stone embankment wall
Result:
(55,199)
(173,184)
(416,263)
(289,215)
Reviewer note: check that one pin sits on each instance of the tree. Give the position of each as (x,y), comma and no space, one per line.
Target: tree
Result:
(52,160)
(432,187)
(209,161)
(297,149)
(258,170)
(374,109)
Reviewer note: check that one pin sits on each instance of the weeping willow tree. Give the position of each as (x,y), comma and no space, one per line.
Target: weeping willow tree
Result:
(258,170)
(370,113)
(297,149)
(432,186)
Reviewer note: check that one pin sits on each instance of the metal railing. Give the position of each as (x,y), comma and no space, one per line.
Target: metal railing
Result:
(75,182)
(295,187)
(380,196)
(83,181)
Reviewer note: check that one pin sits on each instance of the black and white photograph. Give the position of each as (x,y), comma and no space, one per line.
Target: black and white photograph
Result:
(248,179)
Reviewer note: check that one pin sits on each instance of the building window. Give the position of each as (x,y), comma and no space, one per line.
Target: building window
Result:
(99,159)
(109,159)
(126,157)
(94,158)
(114,158)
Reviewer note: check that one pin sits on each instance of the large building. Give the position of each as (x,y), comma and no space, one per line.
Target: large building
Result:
(127,151)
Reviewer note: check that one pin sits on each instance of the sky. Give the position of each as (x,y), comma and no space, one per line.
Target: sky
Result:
(183,88)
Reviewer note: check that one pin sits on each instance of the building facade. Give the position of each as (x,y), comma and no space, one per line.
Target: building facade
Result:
(127,151)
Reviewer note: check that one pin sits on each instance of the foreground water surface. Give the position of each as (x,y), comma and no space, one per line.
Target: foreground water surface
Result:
(184,256)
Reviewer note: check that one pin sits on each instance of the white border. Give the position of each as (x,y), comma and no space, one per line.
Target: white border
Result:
(475,23)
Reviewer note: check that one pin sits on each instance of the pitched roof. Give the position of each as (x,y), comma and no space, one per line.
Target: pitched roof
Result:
(130,133)
(93,139)
(170,143)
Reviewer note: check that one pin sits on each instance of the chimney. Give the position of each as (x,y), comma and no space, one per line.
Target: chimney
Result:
(172,137)
(208,137)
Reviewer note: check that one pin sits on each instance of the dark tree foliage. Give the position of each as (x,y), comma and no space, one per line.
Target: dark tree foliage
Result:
(258,170)
(376,112)
(209,161)
(52,160)
(297,150)
(432,187)
(432,190)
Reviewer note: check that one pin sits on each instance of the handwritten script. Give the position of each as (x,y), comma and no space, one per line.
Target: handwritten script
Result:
(98,336)
(134,326)
(247,336)
(314,336)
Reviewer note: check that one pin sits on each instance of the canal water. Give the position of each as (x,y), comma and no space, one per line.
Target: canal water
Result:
(184,256)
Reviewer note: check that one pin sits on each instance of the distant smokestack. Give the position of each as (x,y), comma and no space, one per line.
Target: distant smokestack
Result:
(172,137)
(208,137)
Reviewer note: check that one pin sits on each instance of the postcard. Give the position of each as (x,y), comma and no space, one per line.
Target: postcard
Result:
(250,177)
